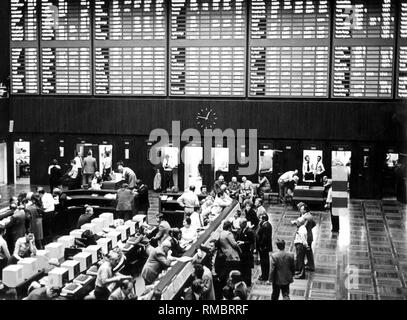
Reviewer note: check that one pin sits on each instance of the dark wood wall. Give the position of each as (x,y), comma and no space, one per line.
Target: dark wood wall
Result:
(320,120)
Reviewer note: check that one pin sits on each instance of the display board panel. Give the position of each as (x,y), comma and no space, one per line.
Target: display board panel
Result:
(402,52)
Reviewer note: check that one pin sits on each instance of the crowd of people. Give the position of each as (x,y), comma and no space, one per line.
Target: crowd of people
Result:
(222,269)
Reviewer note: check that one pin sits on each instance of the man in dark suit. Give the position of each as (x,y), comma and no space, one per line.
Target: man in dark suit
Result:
(142,204)
(89,168)
(264,245)
(245,240)
(124,203)
(282,271)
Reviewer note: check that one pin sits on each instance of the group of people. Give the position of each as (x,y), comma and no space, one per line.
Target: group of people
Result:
(313,171)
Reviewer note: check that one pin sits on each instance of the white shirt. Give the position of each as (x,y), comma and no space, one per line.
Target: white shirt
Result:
(188,199)
(319,167)
(107,163)
(48,202)
(301,235)
(166,165)
(188,234)
(195,220)
(78,162)
(287,176)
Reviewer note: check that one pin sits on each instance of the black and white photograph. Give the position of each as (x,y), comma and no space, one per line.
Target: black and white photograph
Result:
(208,150)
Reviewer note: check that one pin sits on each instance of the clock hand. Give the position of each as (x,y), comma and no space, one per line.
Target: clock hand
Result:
(201,117)
(207,116)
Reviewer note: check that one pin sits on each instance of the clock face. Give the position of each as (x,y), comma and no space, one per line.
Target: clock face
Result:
(206,118)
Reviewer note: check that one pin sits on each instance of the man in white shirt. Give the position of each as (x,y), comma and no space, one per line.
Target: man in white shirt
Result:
(168,183)
(128,175)
(189,201)
(284,182)
(301,245)
(106,165)
(48,205)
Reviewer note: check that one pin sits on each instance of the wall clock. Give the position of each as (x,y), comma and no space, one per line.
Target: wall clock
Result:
(206,118)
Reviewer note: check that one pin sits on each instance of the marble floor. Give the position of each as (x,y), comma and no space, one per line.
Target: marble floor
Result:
(365,261)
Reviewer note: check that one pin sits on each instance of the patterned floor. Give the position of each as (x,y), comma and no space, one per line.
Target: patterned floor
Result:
(366,260)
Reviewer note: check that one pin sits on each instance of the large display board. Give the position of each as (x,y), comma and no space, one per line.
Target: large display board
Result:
(23,47)
(363,45)
(213,48)
(207,47)
(402,51)
(289,48)
(130,47)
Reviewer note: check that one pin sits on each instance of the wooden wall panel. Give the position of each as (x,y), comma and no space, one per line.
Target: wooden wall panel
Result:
(321,120)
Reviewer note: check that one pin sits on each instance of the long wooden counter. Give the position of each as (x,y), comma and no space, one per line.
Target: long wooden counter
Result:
(174,280)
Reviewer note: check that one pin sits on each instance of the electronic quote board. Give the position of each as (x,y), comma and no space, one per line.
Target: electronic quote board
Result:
(289,48)
(130,47)
(208,48)
(402,52)
(363,45)
(23,47)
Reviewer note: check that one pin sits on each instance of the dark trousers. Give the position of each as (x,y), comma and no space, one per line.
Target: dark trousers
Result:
(264,264)
(285,290)
(310,257)
(106,174)
(101,293)
(334,221)
(282,191)
(168,183)
(299,260)
(125,215)
(246,271)
(87,178)
(3,264)
(48,223)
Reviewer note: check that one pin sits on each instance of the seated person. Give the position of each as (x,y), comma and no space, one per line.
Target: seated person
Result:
(222,201)
(125,291)
(218,183)
(264,185)
(204,191)
(246,190)
(85,217)
(24,248)
(196,221)
(206,207)
(234,188)
(97,181)
(176,249)
(189,234)
(157,261)
(44,293)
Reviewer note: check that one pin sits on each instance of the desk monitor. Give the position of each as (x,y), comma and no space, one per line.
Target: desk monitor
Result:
(13,275)
(55,250)
(85,260)
(96,252)
(73,267)
(29,267)
(67,241)
(106,244)
(57,277)
(109,217)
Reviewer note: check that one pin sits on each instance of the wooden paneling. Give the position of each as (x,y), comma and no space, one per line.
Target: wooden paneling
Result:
(326,120)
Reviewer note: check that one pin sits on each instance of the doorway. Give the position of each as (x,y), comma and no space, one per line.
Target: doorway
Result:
(22,162)
(193,157)
(3,164)
(343,158)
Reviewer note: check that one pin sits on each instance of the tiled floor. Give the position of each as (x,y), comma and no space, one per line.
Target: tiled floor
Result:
(366,260)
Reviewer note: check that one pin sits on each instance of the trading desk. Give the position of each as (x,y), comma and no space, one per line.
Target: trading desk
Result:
(174,280)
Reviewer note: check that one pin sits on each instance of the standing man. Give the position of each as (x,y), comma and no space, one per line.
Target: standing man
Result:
(142,204)
(264,245)
(258,207)
(282,271)
(168,183)
(319,170)
(89,168)
(189,201)
(48,220)
(106,166)
(301,245)
(245,240)
(128,175)
(285,181)
(124,206)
